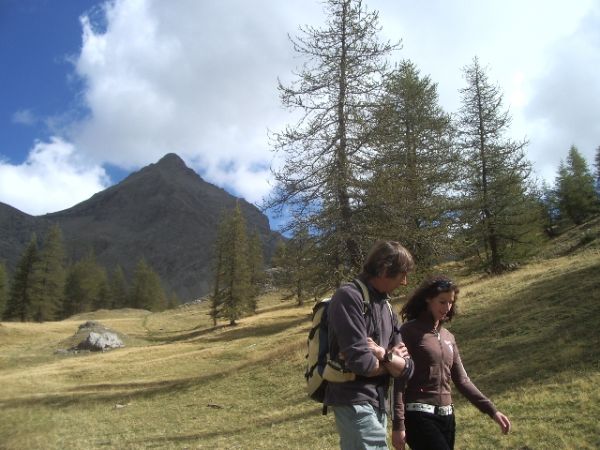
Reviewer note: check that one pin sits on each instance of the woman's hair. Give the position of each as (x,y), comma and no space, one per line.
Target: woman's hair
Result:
(430,288)
(388,259)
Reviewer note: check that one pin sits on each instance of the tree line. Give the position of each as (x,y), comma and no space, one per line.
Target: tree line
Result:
(373,155)
(45,287)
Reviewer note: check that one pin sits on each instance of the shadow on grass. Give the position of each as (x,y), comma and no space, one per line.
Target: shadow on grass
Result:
(233,332)
(251,426)
(129,391)
(184,336)
(285,305)
(259,329)
(126,392)
(548,327)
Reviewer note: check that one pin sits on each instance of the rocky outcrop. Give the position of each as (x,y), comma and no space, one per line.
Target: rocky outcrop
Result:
(93,336)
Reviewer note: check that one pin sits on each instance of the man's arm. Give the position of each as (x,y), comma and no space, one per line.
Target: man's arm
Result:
(347,321)
(388,361)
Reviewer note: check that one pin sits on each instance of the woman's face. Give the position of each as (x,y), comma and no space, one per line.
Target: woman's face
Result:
(440,305)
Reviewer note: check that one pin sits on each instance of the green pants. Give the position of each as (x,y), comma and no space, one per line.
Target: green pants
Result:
(361,427)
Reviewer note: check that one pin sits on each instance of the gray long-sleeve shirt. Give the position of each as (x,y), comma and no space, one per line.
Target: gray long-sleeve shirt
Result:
(349,328)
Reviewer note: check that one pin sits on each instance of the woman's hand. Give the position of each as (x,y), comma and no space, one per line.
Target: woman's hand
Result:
(401,350)
(503,422)
(398,439)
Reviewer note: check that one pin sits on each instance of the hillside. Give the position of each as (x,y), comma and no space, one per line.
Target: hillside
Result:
(529,339)
(165,213)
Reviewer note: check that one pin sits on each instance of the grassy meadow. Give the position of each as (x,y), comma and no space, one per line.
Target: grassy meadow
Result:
(529,339)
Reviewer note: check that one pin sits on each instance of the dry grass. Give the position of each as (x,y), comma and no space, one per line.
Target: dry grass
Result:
(529,339)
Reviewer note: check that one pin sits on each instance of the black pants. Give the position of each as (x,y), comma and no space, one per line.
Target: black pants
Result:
(426,431)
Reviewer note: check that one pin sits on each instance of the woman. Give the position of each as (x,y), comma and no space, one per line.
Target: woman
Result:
(429,414)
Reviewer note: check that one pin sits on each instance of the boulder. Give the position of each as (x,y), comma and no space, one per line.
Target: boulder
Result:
(100,341)
(93,336)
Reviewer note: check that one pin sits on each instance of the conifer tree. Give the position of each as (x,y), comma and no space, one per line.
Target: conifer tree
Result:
(18,306)
(233,280)
(119,289)
(499,215)
(335,95)
(146,290)
(414,167)
(256,265)
(86,287)
(597,165)
(301,264)
(48,278)
(550,209)
(173,300)
(577,198)
(218,294)
(3,288)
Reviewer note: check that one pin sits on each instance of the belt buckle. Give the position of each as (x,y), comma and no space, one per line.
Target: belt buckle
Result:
(444,410)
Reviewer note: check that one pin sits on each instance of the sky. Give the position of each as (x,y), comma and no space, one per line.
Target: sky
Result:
(91,90)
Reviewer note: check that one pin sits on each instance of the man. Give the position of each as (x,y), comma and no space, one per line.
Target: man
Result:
(366,341)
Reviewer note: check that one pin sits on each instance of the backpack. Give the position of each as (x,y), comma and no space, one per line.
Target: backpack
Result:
(320,369)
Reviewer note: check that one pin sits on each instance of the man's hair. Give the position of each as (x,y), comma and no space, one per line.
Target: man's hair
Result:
(388,259)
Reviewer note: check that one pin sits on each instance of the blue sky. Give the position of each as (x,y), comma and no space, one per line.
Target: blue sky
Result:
(91,90)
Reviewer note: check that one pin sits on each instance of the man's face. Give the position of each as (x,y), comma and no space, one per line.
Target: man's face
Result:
(393,283)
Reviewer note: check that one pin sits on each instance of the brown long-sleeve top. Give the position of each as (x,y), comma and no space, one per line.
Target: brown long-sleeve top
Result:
(437,361)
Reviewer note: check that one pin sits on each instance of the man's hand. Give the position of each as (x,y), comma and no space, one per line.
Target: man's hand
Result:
(377,350)
(395,367)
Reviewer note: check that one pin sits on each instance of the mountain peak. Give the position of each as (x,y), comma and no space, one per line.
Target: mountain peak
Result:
(171,160)
(165,213)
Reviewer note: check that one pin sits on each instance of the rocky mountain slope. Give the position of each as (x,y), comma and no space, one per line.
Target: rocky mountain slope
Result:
(165,213)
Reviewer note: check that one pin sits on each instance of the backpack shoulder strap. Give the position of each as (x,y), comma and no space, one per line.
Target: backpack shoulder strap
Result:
(364,290)
(362,287)
(389,305)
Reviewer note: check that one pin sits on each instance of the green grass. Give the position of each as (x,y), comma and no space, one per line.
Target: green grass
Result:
(529,339)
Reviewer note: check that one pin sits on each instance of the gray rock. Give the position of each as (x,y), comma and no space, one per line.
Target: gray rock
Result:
(100,341)
(92,336)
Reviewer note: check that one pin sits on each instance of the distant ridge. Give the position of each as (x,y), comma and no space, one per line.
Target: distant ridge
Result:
(165,213)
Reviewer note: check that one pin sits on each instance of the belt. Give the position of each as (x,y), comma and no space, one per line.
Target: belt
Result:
(431,409)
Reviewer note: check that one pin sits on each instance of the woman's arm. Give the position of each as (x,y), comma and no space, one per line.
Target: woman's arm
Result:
(467,388)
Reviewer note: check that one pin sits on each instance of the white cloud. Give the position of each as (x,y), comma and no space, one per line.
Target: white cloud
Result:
(24,117)
(52,178)
(564,110)
(195,78)
(519,43)
(199,79)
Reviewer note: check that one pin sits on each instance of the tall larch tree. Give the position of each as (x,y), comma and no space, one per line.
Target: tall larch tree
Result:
(304,278)
(18,305)
(218,295)
(234,278)
(256,263)
(334,96)
(577,198)
(500,215)
(48,278)
(597,174)
(414,167)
